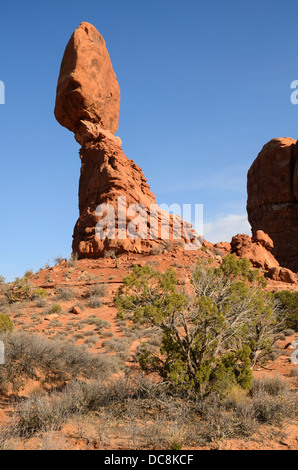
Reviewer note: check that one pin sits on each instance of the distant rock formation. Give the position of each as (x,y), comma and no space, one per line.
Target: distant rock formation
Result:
(87,103)
(257,250)
(272,203)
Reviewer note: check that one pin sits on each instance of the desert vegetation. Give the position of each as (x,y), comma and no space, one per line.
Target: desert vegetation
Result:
(174,370)
(212,336)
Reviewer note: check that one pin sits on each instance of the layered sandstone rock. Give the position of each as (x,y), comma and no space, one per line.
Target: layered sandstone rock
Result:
(272,203)
(257,250)
(87,103)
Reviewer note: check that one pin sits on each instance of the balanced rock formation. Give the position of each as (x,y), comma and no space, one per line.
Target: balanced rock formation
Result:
(87,103)
(272,203)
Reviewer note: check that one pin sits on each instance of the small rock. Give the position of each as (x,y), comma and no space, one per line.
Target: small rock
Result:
(52,317)
(76,311)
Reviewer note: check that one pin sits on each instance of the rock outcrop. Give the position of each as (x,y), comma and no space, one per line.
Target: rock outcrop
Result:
(257,250)
(87,103)
(272,203)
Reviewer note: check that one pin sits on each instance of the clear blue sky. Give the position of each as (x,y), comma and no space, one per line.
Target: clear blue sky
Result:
(204,84)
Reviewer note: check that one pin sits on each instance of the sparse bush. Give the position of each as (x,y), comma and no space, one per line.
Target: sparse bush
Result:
(2,280)
(98,322)
(211,340)
(39,414)
(112,254)
(94,302)
(65,293)
(47,361)
(55,309)
(29,274)
(6,325)
(98,290)
(222,422)
(73,260)
(107,334)
(22,290)
(288,302)
(269,386)
(118,345)
(157,250)
(168,245)
(40,303)
(273,401)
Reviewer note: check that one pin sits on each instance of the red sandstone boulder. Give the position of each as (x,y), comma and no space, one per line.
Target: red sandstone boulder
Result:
(272,204)
(263,239)
(243,246)
(224,247)
(87,86)
(282,275)
(76,310)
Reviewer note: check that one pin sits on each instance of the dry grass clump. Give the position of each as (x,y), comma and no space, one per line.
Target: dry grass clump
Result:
(51,362)
(65,294)
(97,290)
(137,413)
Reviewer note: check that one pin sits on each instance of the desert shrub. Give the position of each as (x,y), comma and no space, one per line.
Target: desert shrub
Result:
(119,346)
(288,302)
(39,414)
(275,410)
(65,293)
(107,334)
(73,260)
(40,303)
(50,362)
(55,309)
(157,250)
(211,339)
(98,322)
(6,325)
(273,386)
(49,412)
(39,293)
(91,340)
(219,421)
(112,254)
(98,290)
(94,302)
(2,280)
(22,290)
(29,273)
(168,245)
(273,401)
